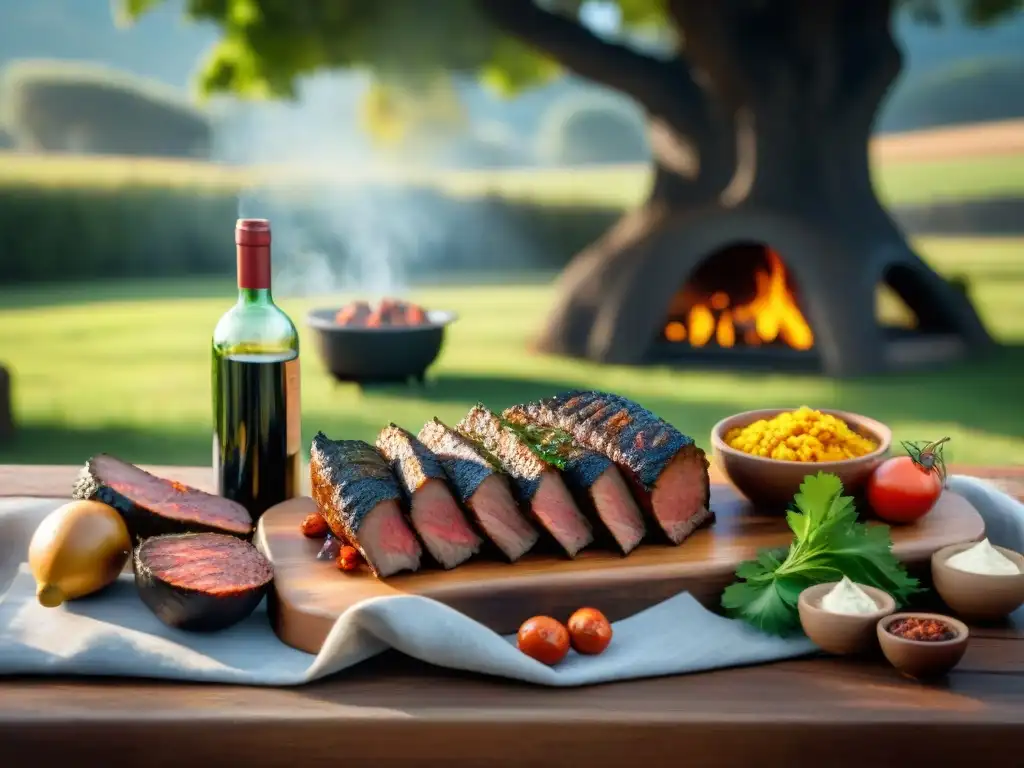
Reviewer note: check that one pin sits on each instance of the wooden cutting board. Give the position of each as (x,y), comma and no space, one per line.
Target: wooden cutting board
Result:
(308,595)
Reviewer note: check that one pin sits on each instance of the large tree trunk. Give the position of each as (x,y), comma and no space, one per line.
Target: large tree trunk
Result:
(762,138)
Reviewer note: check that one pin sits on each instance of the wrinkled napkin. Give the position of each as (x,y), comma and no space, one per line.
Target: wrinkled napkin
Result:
(114,634)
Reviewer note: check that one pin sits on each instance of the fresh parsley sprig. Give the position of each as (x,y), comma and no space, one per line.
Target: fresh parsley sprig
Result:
(828,543)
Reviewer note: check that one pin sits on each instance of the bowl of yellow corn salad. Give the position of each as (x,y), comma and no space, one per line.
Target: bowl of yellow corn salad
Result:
(767,453)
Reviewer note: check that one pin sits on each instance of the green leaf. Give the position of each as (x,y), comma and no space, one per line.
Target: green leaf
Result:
(864,554)
(769,606)
(127,11)
(514,66)
(814,502)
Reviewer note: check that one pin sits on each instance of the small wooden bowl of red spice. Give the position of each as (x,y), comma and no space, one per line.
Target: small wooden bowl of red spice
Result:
(922,645)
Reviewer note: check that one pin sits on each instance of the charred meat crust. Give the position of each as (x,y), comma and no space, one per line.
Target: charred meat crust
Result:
(166,507)
(583,467)
(205,583)
(349,478)
(412,462)
(518,461)
(624,431)
(465,462)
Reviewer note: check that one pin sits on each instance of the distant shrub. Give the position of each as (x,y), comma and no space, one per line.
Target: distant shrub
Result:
(977,91)
(7,140)
(72,107)
(587,131)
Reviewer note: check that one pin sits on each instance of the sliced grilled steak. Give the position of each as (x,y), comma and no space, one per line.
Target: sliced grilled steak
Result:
(667,471)
(538,484)
(434,515)
(354,489)
(152,506)
(596,483)
(481,485)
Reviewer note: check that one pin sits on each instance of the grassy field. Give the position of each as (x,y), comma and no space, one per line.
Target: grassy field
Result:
(898,183)
(124,368)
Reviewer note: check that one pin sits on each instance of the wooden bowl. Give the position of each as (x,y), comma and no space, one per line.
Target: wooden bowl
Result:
(839,633)
(976,596)
(771,483)
(922,658)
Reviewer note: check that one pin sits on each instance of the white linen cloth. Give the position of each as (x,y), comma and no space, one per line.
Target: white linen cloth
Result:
(114,634)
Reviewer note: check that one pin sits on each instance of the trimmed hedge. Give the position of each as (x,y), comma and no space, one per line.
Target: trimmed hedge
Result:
(72,107)
(53,233)
(59,233)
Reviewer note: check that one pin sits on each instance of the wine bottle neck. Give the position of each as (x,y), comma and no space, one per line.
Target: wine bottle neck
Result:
(255,296)
(254,269)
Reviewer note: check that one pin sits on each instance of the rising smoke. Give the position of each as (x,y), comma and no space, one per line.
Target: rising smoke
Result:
(343,218)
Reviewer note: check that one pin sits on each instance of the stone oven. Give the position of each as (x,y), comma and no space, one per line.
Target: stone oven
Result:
(772,297)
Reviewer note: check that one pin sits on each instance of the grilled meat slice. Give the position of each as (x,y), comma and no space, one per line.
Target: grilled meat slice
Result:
(434,515)
(359,497)
(152,506)
(538,484)
(596,483)
(481,485)
(667,471)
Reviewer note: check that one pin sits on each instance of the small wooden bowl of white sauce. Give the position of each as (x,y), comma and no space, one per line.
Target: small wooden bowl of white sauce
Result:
(979,581)
(840,617)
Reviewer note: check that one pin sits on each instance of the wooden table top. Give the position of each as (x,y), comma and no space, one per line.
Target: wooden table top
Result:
(394,711)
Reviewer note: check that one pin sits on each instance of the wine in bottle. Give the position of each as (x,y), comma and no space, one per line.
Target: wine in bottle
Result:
(256,421)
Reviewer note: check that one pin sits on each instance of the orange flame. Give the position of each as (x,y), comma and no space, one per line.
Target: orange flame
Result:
(772,315)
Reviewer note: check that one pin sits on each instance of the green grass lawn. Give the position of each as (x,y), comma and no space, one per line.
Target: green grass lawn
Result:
(124,368)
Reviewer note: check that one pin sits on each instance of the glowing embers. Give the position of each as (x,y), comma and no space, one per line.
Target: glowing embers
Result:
(739,297)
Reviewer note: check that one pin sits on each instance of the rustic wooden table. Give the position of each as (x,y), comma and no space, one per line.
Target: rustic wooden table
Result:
(393,711)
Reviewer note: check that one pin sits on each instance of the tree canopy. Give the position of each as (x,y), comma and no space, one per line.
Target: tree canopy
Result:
(268,45)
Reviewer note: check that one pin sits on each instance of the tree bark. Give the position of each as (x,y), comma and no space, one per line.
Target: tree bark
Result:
(761,133)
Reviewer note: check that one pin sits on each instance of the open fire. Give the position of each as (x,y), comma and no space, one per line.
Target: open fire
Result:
(748,302)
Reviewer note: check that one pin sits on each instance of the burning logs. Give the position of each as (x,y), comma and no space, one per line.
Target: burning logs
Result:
(770,315)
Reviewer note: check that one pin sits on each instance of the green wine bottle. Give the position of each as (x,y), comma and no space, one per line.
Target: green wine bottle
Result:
(256,419)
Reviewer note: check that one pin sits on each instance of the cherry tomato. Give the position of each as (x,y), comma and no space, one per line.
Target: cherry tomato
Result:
(349,558)
(589,631)
(314,526)
(902,490)
(544,639)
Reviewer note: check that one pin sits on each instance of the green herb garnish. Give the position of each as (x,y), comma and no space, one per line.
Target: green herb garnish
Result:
(828,543)
(549,444)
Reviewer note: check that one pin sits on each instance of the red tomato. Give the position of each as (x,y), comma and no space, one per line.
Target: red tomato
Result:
(589,631)
(544,639)
(902,490)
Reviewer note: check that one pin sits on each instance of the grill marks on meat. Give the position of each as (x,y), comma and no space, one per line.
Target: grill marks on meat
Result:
(201,582)
(152,506)
(355,491)
(480,485)
(667,471)
(433,512)
(216,565)
(538,485)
